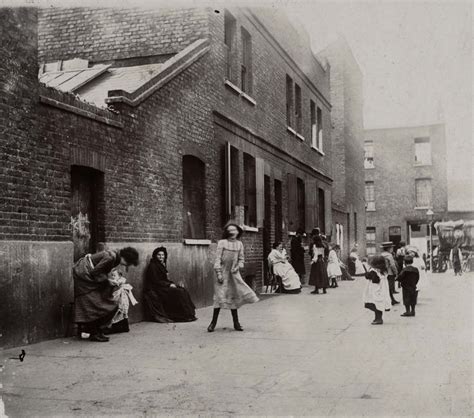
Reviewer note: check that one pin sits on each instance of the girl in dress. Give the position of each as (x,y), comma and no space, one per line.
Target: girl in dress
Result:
(334,267)
(319,275)
(230,290)
(281,267)
(376,293)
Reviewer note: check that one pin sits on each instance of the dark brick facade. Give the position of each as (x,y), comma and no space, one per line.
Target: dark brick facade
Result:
(394,176)
(138,149)
(347,139)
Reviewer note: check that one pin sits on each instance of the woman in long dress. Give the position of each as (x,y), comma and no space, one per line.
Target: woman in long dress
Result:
(376,294)
(281,267)
(164,300)
(319,275)
(94,306)
(230,290)
(334,266)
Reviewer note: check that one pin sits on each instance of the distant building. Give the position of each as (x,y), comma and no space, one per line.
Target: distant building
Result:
(405,176)
(347,137)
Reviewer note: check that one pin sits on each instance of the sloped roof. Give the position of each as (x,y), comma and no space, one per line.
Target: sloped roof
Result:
(102,84)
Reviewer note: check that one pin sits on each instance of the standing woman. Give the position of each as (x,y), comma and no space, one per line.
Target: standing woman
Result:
(297,254)
(230,290)
(377,294)
(318,276)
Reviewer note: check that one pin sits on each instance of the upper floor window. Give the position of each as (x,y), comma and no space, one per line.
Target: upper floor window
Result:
(289,101)
(319,124)
(230,25)
(246,66)
(300,189)
(369,154)
(298,105)
(194,195)
(423,193)
(370,196)
(422,151)
(314,132)
(370,234)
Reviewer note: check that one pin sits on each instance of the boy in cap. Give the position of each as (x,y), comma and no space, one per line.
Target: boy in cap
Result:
(408,278)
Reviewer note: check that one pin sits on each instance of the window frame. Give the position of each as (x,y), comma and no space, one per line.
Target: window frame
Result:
(427,180)
(230,28)
(369,160)
(369,203)
(423,140)
(246,79)
(289,102)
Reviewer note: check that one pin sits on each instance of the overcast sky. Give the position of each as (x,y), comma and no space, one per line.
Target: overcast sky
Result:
(416,58)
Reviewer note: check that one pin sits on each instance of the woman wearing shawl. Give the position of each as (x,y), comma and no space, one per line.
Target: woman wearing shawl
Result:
(164,300)
(281,267)
(319,275)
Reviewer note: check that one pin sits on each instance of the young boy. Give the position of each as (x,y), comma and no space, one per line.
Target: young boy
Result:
(408,278)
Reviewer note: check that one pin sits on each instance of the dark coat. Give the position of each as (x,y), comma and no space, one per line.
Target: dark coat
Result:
(297,255)
(92,290)
(164,303)
(408,278)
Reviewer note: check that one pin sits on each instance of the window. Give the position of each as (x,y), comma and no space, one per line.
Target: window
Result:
(320,128)
(355,227)
(246,67)
(370,196)
(229,40)
(322,211)
(278,210)
(194,194)
(395,234)
(370,238)
(314,133)
(289,101)
(422,151)
(250,191)
(298,116)
(301,203)
(423,193)
(369,154)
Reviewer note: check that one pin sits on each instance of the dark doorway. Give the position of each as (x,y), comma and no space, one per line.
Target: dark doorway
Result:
(267,224)
(87,192)
(321,211)
(395,235)
(278,210)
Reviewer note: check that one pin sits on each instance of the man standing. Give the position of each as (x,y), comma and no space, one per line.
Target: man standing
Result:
(391,268)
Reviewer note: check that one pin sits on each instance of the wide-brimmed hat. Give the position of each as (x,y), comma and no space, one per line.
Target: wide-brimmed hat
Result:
(234,223)
(387,244)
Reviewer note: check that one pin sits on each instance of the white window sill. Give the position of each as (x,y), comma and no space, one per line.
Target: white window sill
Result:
(422,207)
(247,228)
(370,210)
(423,164)
(300,136)
(239,92)
(197,241)
(291,130)
(318,150)
(369,168)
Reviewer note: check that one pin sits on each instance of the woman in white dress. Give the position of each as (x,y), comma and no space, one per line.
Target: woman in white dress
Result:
(376,294)
(278,261)
(334,266)
(356,268)
(230,290)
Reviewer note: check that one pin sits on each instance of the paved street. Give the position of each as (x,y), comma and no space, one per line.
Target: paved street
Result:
(299,355)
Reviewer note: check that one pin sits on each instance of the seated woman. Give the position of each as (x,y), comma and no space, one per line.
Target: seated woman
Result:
(164,300)
(94,306)
(278,261)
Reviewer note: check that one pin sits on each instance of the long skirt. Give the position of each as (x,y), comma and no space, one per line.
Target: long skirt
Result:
(319,275)
(289,277)
(172,304)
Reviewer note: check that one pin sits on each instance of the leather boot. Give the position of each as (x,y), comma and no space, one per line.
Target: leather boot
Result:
(213,323)
(235,317)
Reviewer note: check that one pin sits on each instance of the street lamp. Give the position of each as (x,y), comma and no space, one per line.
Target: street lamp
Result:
(430,214)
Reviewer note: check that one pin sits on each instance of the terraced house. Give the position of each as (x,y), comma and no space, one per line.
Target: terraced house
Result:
(151,127)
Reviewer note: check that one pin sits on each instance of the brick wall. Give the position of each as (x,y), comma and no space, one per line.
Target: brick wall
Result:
(395,173)
(116,33)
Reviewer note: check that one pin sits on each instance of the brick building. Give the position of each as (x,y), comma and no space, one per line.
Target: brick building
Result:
(347,137)
(148,128)
(405,175)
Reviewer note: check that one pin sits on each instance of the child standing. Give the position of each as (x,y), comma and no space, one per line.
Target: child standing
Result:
(334,267)
(377,294)
(408,278)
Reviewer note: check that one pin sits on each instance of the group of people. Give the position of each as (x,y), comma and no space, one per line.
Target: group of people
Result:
(404,266)
(102,297)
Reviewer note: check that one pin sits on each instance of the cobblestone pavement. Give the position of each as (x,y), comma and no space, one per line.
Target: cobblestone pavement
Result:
(299,355)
